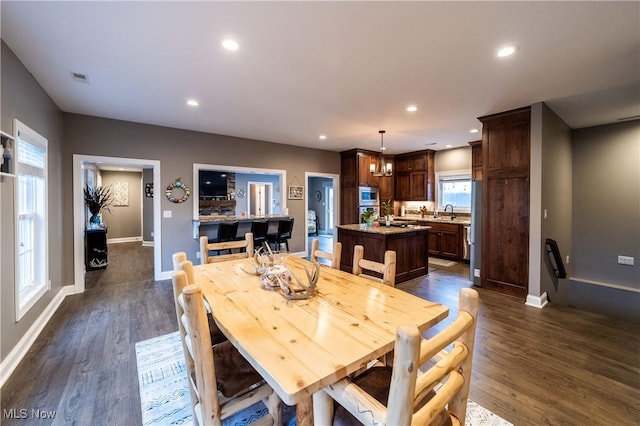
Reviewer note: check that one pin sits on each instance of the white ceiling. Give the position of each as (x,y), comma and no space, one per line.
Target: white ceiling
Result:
(344,69)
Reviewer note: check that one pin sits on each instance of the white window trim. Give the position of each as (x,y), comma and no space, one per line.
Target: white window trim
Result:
(24,132)
(464,173)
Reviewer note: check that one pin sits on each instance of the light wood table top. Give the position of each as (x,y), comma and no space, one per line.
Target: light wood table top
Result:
(299,347)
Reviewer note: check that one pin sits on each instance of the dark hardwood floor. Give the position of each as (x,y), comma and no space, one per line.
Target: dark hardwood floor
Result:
(556,366)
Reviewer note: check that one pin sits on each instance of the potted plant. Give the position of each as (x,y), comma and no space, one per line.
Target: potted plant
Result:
(96,199)
(368,216)
(387,210)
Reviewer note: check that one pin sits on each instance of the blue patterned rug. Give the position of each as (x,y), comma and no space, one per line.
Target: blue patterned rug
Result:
(164,392)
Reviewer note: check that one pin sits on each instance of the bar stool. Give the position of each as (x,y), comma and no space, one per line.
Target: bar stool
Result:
(259,229)
(226,232)
(285,229)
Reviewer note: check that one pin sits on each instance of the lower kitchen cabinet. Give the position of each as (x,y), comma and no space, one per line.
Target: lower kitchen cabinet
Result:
(95,245)
(445,240)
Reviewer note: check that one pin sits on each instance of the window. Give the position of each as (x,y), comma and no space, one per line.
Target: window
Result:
(31,232)
(454,188)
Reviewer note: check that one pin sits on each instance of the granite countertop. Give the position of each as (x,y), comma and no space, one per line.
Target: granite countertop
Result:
(383,229)
(461,220)
(248,218)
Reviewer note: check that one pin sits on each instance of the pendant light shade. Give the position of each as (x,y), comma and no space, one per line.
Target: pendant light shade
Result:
(381,167)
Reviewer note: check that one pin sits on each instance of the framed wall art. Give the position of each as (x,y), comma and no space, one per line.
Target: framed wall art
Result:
(296,192)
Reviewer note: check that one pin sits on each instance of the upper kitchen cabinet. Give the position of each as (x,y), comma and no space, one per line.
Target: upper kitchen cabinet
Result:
(355,168)
(476,160)
(506,152)
(415,176)
(365,177)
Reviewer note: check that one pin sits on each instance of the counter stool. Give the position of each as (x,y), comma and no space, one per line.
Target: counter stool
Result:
(226,232)
(259,229)
(285,229)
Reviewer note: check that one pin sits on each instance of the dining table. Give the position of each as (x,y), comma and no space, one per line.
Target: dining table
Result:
(301,346)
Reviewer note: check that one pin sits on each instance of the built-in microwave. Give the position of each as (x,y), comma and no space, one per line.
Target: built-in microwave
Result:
(368,196)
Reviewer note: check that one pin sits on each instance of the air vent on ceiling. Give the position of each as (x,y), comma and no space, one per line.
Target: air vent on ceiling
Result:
(430,143)
(79,77)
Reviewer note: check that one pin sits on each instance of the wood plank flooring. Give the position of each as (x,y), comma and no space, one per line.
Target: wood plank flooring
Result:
(552,366)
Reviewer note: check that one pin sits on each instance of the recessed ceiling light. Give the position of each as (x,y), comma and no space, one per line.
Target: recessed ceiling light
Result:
(506,51)
(230,44)
(448,146)
(322,137)
(193,103)
(412,108)
(474,131)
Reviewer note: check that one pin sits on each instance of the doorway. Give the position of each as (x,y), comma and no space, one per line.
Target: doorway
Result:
(82,178)
(322,198)
(259,201)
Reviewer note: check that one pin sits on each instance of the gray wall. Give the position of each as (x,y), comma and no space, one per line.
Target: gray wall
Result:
(606,218)
(24,99)
(124,221)
(556,200)
(147,207)
(452,159)
(103,137)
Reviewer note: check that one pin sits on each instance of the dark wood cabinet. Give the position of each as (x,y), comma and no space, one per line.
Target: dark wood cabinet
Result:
(445,240)
(506,156)
(415,176)
(476,160)
(386,188)
(365,178)
(412,258)
(95,245)
(355,172)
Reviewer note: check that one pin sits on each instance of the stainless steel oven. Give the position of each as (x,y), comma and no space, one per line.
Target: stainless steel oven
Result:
(363,209)
(367,196)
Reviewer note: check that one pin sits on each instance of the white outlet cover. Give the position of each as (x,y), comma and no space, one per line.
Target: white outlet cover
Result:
(476,272)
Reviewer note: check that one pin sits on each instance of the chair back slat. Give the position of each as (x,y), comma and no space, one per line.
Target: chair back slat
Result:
(334,257)
(206,247)
(386,269)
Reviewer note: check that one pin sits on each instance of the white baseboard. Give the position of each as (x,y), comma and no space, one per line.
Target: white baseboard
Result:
(537,301)
(20,350)
(123,240)
(147,243)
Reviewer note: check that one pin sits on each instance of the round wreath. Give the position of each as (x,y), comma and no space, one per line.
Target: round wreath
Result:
(179,185)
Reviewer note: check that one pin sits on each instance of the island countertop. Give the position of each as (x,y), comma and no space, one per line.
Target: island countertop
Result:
(382,229)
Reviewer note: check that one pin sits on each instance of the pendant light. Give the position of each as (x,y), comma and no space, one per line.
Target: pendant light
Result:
(381,167)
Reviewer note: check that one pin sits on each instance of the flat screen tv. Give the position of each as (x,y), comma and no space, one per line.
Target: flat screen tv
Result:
(212,184)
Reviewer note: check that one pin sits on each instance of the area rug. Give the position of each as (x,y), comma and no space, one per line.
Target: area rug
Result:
(440,262)
(164,392)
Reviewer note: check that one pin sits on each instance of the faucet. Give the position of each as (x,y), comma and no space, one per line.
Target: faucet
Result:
(453,216)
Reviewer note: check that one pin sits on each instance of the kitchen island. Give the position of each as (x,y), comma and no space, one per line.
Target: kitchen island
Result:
(410,244)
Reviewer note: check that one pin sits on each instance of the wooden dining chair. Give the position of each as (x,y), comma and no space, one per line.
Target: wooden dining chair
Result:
(206,247)
(363,267)
(334,257)
(221,381)
(397,395)
(217,336)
